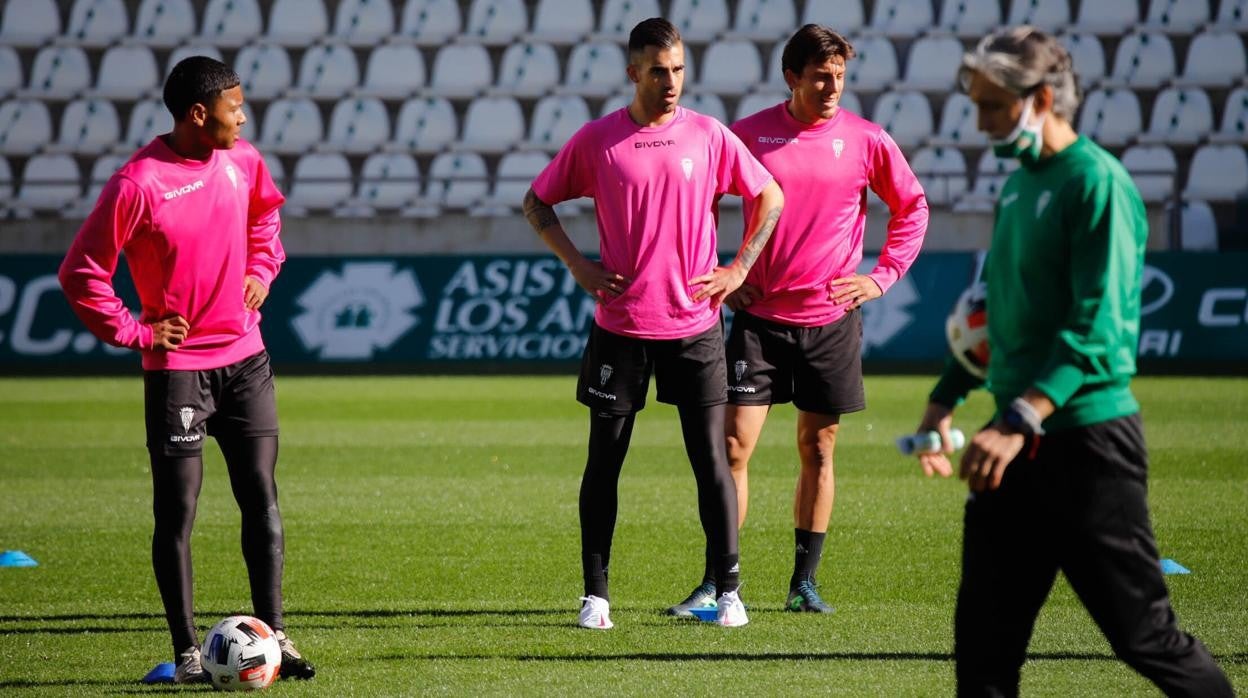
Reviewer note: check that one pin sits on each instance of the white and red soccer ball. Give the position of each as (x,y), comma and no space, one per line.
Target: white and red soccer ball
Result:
(241,653)
(967,330)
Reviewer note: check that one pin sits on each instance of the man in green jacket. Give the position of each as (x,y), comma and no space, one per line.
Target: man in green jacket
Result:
(1058,479)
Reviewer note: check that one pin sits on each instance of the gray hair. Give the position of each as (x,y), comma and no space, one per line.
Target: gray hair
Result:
(1022,59)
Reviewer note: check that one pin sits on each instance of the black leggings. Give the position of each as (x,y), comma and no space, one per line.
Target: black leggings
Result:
(176,483)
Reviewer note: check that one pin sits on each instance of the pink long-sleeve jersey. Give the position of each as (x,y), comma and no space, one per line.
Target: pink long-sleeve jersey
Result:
(825,171)
(191,231)
(653,188)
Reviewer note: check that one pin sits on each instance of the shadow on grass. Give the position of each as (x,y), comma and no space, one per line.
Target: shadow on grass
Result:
(343,613)
(1236,658)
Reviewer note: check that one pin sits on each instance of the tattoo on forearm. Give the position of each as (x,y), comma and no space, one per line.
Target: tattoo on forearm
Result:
(754,246)
(539,215)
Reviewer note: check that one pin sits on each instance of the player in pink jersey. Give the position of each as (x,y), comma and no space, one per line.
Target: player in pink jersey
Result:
(654,170)
(797,335)
(196,214)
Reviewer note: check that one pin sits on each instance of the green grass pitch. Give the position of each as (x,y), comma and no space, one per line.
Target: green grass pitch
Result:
(432,546)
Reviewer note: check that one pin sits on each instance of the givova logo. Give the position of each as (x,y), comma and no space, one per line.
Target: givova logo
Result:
(886,316)
(351,315)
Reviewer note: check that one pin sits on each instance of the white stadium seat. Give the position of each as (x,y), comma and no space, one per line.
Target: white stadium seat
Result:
(765,20)
(321,181)
(328,71)
(89,126)
(11,77)
(457,180)
(388,181)
(297,22)
(773,74)
(29,22)
(1180,115)
(1088,56)
(844,16)
(358,125)
(1218,173)
(707,103)
(699,21)
(595,69)
(615,102)
(290,126)
(164,23)
(562,22)
(461,70)
(128,72)
(969,18)
(1111,117)
(394,71)
(1214,59)
(426,125)
(528,70)
(1108,17)
(901,18)
(231,22)
(492,125)
(732,67)
(363,22)
(1153,168)
(512,180)
(933,64)
(1177,16)
(50,183)
(97,23)
(185,51)
(430,22)
(264,69)
(959,123)
(1049,15)
(758,101)
(618,17)
(990,175)
(906,116)
(101,170)
(942,172)
(59,72)
(1198,229)
(1234,125)
(148,119)
(555,119)
(875,66)
(25,126)
(6,186)
(496,22)
(1232,14)
(1143,60)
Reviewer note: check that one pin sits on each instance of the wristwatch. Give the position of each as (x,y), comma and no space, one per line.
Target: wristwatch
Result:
(1022,418)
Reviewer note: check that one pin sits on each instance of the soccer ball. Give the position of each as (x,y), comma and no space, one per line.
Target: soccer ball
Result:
(967,330)
(241,653)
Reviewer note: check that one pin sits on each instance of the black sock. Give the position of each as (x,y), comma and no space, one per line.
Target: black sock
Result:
(727,573)
(595,576)
(708,572)
(807,552)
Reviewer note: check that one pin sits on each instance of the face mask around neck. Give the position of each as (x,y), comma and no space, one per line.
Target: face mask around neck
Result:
(1025,141)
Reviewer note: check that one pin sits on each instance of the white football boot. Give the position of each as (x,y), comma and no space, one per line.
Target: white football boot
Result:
(595,614)
(731,612)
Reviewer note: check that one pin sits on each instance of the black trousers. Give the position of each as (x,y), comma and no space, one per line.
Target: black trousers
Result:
(1075,501)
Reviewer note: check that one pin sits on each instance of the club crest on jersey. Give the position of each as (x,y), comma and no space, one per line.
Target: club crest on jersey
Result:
(739,369)
(686,164)
(187,414)
(838,146)
(604,374)
(229,172)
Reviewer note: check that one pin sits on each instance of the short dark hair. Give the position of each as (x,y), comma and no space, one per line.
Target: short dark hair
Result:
(814,44)
(197,80)
(655,31)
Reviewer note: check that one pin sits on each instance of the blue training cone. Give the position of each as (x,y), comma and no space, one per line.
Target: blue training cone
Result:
(1169,566)
(705,613)
(16,558)
(161,673)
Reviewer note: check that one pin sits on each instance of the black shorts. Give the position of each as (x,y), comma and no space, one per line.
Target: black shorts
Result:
(181,408)
(818,369)
(615,371)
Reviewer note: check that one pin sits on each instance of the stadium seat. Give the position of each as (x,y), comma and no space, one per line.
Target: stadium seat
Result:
(618,17)
(1088,56)
(6,186)
(264,70)
(59,72)
(942,172)
(163,23)
(148,119)
(88,126)
(562,22)
(328,71)
(1143,60)
(773,73)
(1153,168)
(322,181)
(297,23)
(1198,229)
(1177,16)
(1214,59)
(555,119)
(358,125)
(1234,125)
(969,18)
(457,180)
(1049,15)
(595,69)
(901,19)
(617,101)
(231,23)
(101,170)
(1180,115)
(291,126)
(11,77)
(426,125)
(1110,117)
(277,171)
(959,124)
(394,71)
(765,20)
(29,23)
(512,180)
(50,183)
(845,16)
(990,175)
(186,51)
(905,115)
(1108,17)
(388,181)
(699,21)
(1232,14)
(363,22)
(732,67)
(707,103)
(1218,173)
(758,101)
(127,72)
(25,126)
(430,22)
(461,70)
(496,22)
(492,125)
(96,23)
(875,66)
(528,70)
(933,64)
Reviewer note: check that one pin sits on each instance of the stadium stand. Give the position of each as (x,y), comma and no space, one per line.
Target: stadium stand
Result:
(321,182)
(969,19)
(496,22)
(555,119)
(49,184)
(97,23)
(29,24)
(901,19)
(88,127)
(562,22)
(358,125)
(492,125)
(163,23)
(529,69)
(1153,168)
(764,20)
(231,23)
(127,72)
(10,71)
(732,67)
(1108,17)
(363,22)
(297,22)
